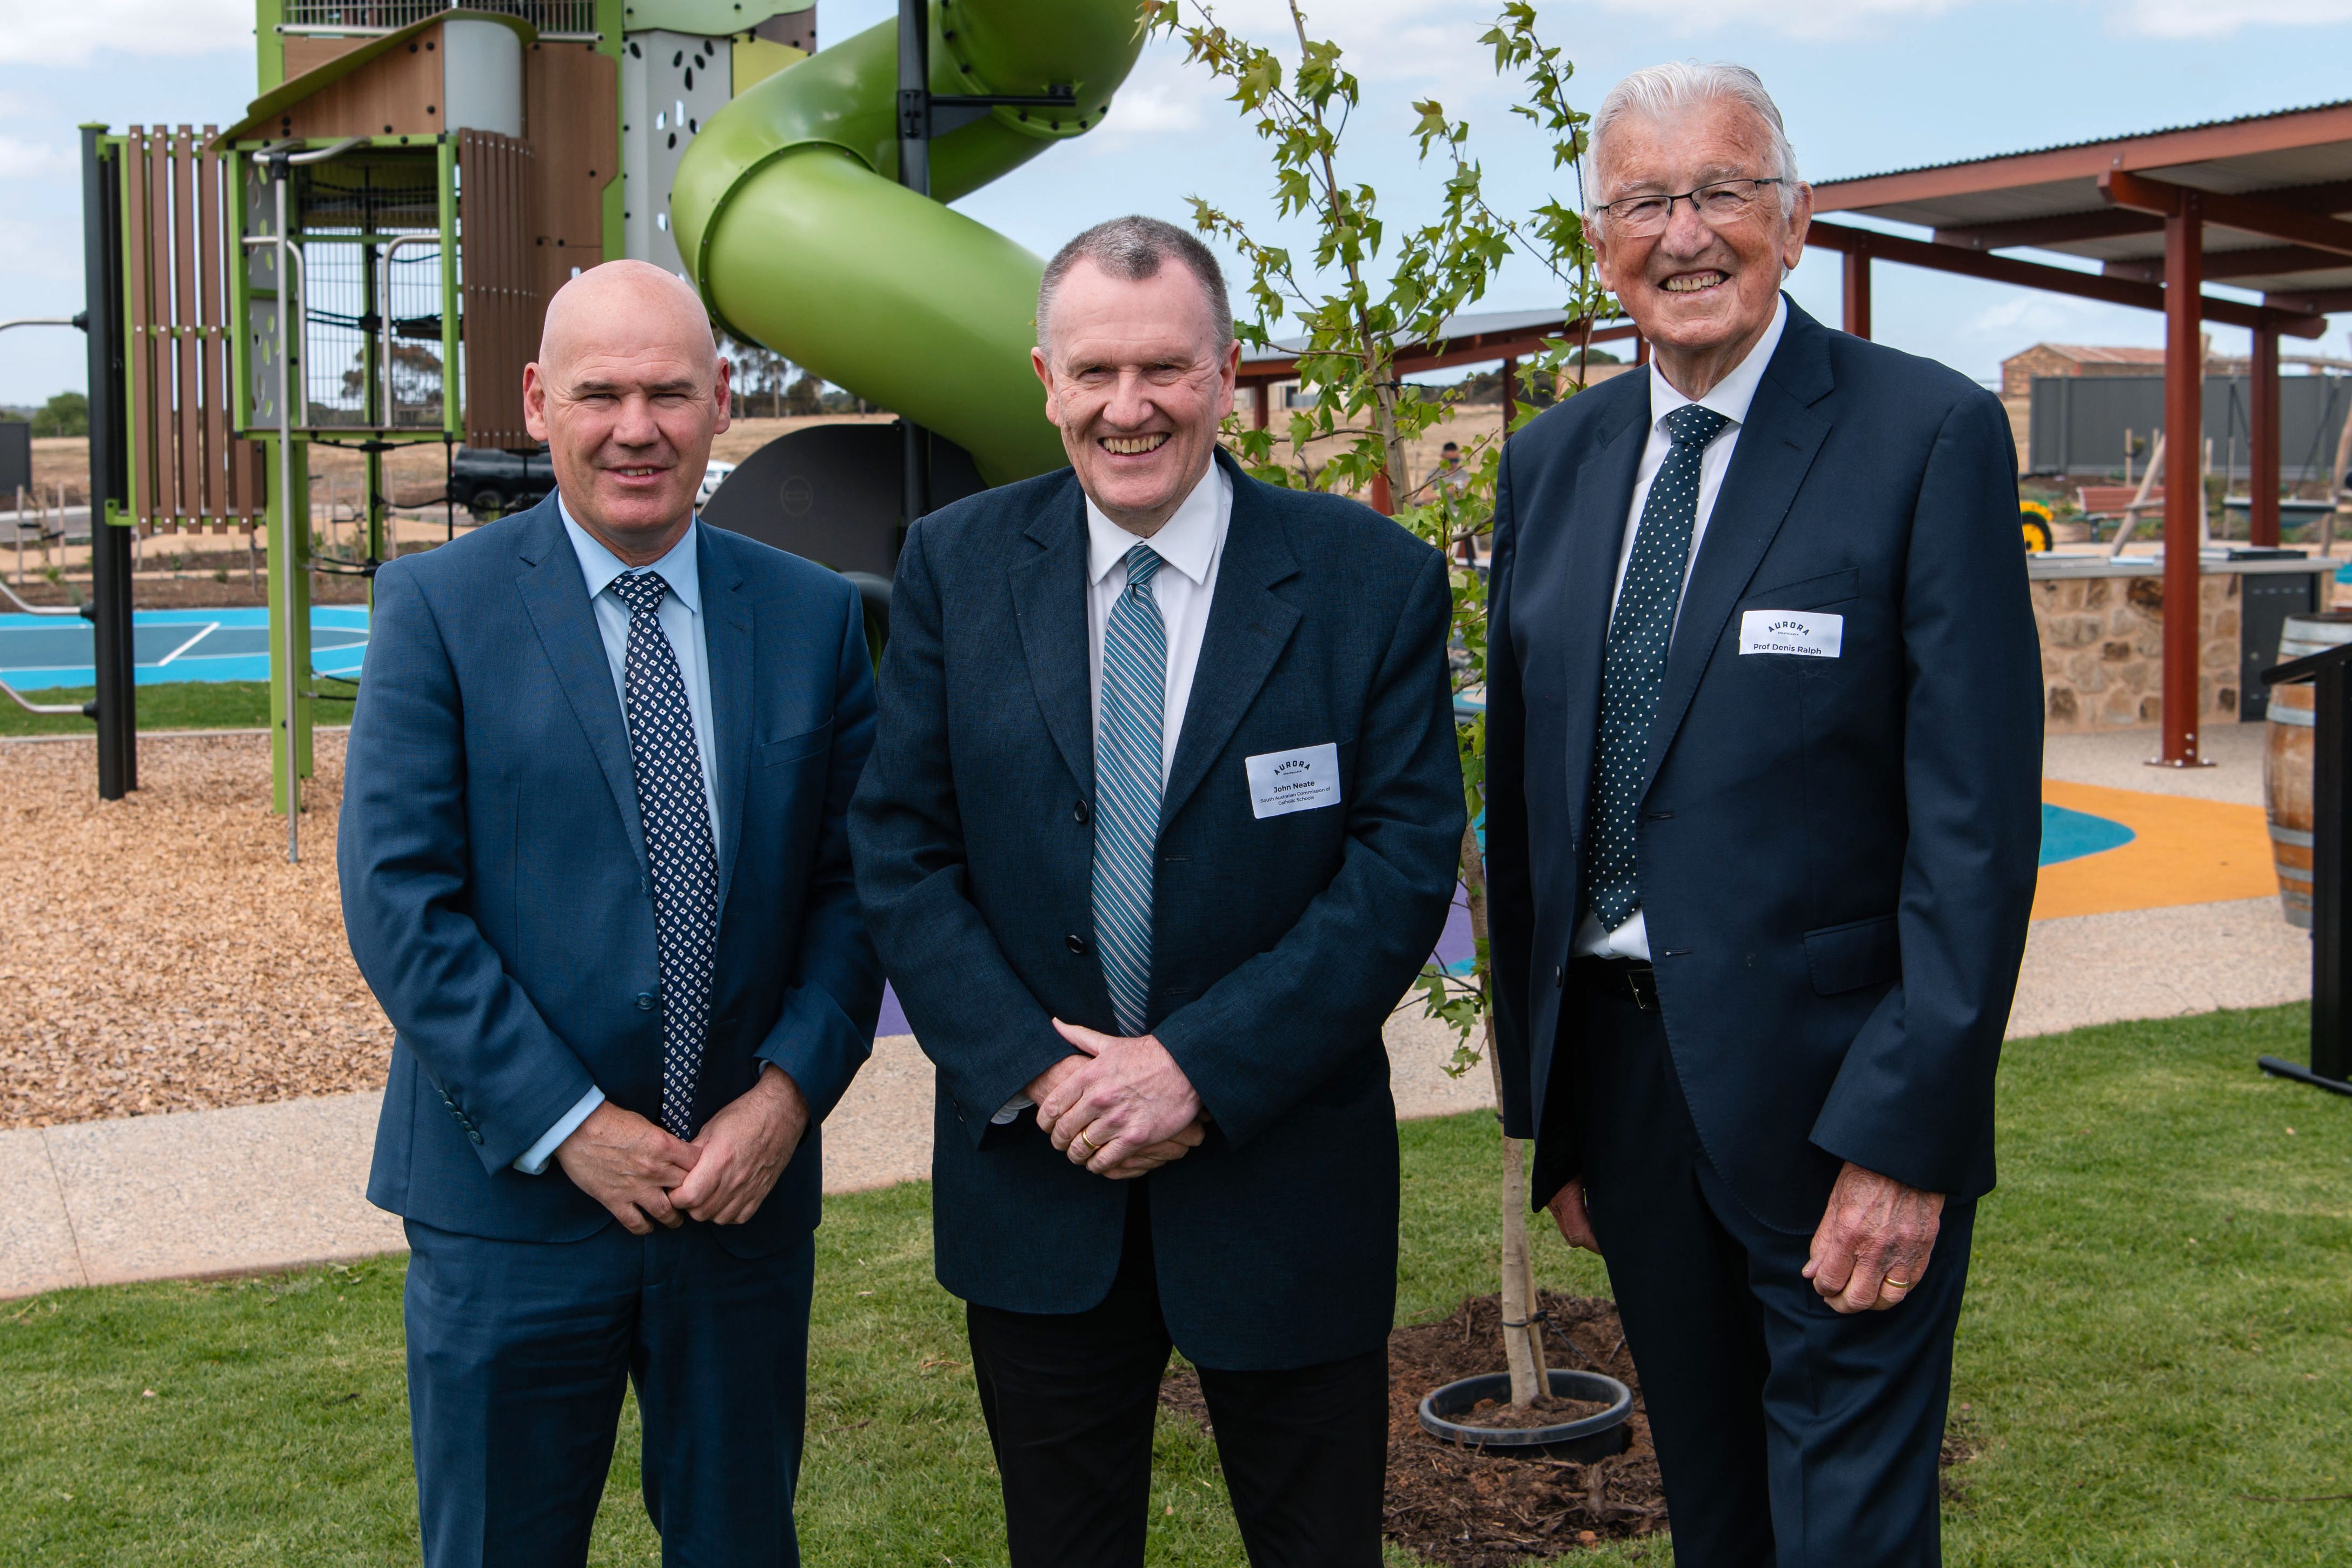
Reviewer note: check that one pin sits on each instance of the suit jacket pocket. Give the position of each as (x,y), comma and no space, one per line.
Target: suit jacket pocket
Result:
(1850,956)
(1809,593)
(792,748)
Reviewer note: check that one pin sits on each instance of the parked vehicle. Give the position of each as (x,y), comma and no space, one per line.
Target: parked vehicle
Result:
(489,482)
(712,478)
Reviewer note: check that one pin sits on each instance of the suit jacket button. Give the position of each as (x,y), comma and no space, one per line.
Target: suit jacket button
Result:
(646,1001)
(1558,976)
(1080,814)
(1076,945)
(473,1135)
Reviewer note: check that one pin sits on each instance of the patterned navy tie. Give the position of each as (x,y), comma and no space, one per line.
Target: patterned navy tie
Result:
(1639,636)
(1128,749)
(677,815)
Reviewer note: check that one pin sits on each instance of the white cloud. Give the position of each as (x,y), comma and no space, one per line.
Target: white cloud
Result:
(33,160)
(2214,18)
(1162,97)
(49,33)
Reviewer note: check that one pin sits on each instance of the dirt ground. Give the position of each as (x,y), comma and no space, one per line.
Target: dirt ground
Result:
(1466,1508)
(159,953)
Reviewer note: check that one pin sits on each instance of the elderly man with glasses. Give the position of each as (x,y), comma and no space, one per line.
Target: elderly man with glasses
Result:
(1763,816)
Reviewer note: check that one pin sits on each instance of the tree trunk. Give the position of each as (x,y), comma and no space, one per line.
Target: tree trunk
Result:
(1522,1334)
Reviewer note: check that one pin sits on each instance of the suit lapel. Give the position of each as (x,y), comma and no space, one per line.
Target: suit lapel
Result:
(1776,450)
(726,631)
(1248,627)
(555,595)
(1598,501)
(1049,602)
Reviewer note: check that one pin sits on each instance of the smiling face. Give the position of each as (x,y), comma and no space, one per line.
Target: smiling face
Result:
(628,391)
(1702,294)
(1136,383)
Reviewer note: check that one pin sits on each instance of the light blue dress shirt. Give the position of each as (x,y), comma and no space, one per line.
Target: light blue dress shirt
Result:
(681,622)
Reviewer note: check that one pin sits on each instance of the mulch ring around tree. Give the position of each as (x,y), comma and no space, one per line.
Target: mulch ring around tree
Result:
(1465,1509)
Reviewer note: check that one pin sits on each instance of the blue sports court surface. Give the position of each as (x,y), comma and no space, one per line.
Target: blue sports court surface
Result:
(41,651)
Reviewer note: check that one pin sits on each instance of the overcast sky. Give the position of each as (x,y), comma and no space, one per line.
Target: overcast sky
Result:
(1866,85)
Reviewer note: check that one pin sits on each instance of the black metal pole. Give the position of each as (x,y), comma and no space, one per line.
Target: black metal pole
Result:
(915,173)
(115,706)
(2331,1052)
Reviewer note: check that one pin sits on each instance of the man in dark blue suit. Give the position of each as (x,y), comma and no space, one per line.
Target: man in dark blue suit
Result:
(1162,822)
(596,866)
(1763,816)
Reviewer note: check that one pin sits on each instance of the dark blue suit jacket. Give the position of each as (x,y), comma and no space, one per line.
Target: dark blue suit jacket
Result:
(494,872)
(1837,855)
(1279,945)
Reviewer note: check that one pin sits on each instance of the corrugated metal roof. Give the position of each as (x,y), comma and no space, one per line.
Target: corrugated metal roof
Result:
(2094,142)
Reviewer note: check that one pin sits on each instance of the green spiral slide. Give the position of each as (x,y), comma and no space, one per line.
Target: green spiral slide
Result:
(791,221)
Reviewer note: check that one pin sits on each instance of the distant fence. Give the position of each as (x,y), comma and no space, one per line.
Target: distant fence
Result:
(2078,423)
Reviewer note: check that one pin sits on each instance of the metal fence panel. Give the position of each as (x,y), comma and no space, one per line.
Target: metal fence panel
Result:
(2078,423)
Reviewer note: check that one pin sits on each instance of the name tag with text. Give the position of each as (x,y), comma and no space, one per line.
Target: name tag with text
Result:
(1284,781)
(1807,634)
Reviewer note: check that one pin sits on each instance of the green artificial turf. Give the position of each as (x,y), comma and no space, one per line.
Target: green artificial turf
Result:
(2160,1330)
(177,705)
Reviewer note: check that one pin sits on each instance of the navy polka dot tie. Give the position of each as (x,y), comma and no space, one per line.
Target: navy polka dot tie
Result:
(677,817)
(1639,636)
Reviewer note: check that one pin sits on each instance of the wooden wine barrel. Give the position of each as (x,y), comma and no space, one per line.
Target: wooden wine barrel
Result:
(2286,762)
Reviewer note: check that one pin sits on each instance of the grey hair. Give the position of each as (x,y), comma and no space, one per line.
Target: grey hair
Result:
(1663,92)
(1134,248)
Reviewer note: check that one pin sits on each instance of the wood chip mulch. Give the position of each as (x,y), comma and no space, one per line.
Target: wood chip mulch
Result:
(1461,1509)
(158,953)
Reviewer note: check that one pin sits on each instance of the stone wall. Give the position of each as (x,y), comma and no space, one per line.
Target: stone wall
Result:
(2102,651)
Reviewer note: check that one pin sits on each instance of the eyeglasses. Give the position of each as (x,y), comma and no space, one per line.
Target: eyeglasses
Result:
(1725,201)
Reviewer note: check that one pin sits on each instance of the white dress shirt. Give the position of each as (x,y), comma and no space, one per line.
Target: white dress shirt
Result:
(1192,544)
(1729,397)
(681,621)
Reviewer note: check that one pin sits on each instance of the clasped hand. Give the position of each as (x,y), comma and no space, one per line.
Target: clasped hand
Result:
(1121,1108)
(645,1176)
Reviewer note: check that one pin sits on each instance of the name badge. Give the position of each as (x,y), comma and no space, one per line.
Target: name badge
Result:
(1284,781)
(1808,634)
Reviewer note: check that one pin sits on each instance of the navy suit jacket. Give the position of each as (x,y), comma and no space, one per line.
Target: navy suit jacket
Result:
(1278,945)
(494,876)
(1837,855)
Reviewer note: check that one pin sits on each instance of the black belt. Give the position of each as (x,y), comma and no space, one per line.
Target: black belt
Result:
(1632,978)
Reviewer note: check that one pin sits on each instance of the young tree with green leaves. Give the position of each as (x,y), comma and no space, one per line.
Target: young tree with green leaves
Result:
(1356,300)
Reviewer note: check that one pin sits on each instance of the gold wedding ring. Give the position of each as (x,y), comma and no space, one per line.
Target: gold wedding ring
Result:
(1891,1283)
(1093,1148)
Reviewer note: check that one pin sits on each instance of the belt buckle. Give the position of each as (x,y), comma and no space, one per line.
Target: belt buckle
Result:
(1642,982)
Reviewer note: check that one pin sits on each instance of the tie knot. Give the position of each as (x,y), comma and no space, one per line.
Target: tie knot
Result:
(641,591)
(1692,426)
(1143,563)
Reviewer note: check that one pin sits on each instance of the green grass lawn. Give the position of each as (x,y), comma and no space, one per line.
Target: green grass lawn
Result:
(179,705)
(2160,1330)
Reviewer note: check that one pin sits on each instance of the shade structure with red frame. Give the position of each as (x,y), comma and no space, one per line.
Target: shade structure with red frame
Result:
(2258,204)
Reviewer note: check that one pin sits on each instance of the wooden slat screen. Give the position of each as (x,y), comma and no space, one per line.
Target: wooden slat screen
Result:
(187,470)
(497,185)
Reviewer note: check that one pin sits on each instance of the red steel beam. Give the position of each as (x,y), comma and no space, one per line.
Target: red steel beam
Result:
(2312,301)
(1470,349)
(2272,220)
(2261,261)
(2059,229)
(2056,280)
(2184,478)
(2262,471)
(1857,292)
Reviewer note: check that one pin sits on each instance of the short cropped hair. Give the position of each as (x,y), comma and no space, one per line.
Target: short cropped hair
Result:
(1662,91)
(1134,248)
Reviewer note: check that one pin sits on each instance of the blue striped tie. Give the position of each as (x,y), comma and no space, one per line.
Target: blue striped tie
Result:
(1128,749)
